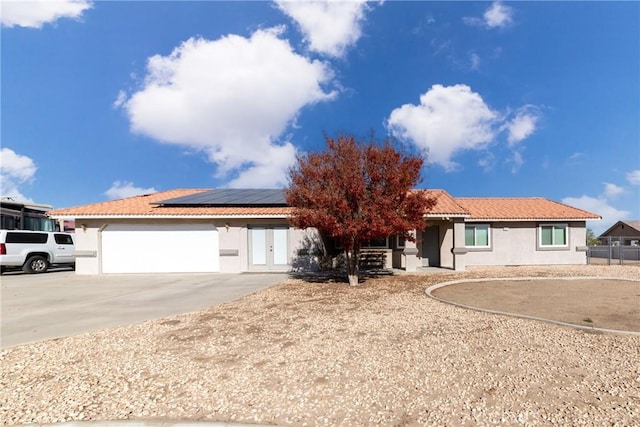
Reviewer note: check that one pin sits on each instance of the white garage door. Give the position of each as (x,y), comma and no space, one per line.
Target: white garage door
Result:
(160,248)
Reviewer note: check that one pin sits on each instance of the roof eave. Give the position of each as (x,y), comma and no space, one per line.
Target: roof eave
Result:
(529,219)
(208,216)
(445,215)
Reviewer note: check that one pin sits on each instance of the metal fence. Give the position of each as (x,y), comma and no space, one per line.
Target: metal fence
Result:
(615,250)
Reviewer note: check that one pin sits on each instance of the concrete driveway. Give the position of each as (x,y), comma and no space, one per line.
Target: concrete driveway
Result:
(36,307)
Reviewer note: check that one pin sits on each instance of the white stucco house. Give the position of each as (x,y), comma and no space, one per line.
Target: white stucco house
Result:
(234,231)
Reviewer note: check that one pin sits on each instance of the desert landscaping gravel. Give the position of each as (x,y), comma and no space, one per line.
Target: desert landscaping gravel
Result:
(304,353)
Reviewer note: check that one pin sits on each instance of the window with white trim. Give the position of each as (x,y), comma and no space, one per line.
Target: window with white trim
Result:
(400,242)
(477,236)
(553,236)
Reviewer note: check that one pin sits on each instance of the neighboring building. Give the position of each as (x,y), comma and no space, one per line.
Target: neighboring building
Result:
(625,233)
(200,230)
(19,215)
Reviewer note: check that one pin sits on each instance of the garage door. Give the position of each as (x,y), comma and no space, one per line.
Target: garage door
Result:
(160,248)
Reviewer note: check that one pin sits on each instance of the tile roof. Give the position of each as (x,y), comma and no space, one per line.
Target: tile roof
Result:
(147,205)
(519,208)
(472,209)
(445,205)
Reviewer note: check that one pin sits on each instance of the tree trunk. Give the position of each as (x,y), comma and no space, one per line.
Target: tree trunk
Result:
(352,267)
(353,279)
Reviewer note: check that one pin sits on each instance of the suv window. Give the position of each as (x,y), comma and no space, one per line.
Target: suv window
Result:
(63,239)
(17,237)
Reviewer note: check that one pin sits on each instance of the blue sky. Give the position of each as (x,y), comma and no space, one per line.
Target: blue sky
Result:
(104,99)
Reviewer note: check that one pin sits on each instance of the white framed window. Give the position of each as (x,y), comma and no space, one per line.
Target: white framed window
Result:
(400,242)
(553,236)
(477,236)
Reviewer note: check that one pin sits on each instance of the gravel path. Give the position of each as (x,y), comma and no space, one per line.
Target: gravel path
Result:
(325,354)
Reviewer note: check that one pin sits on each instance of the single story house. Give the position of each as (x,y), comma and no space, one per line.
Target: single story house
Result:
(232,231)
(626,233)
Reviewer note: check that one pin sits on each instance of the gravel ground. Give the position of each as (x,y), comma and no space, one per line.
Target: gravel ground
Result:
(325,354)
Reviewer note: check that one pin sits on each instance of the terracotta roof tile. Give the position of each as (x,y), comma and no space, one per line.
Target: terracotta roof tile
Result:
(445,205)
(533,208)
(145,205)
(478,208)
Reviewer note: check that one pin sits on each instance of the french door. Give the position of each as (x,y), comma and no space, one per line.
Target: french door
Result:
(268,247)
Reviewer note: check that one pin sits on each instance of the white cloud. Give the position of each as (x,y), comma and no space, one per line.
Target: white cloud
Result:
(517,161)
(475,61)
(329,26)
(598,206)
(633,177)
(498,15)
(611,191)
(270,173)
(36,13)
(452,119)
(575,156)
(448,120)
(123,189)
(231,98)
(522,125)
(120,100)
(16,170)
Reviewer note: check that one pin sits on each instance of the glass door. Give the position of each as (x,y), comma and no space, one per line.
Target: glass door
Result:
(268,247)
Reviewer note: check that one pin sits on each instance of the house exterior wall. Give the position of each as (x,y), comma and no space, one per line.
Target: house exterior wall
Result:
(445,238)
(512,243)
(233,235)
(87,239)
(516,243)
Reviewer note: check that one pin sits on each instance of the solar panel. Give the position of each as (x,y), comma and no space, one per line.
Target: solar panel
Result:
(230,197)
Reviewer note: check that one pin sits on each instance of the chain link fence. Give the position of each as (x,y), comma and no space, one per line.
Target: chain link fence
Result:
(615,250)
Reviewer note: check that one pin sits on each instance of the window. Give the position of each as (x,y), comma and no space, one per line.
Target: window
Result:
(400,242)
(476,236)
(554,235)
(17,237)
(63,239)
(378,242)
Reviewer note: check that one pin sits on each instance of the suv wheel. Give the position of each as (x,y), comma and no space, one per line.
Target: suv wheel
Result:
(36,264)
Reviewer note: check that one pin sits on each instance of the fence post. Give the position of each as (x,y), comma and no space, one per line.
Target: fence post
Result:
(610,250)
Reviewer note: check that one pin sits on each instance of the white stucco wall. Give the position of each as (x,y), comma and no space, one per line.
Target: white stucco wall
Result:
(86,239)
(514,243)
(233,237)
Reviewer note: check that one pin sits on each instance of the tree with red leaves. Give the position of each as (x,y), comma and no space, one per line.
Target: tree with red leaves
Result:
(355,192)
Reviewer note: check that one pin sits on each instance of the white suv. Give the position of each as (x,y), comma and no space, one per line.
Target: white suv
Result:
(35,251)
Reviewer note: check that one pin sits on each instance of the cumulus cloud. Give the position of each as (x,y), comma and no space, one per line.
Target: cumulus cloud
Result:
(496,16)
(448,119)
(522,125)
(452,119)
(599,206)
(329,27)
(123,189)
(232,99)
(633,177)
(16,170)
(36,13)
(611,191)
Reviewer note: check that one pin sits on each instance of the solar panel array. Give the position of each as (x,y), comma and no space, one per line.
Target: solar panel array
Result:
(230,197)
